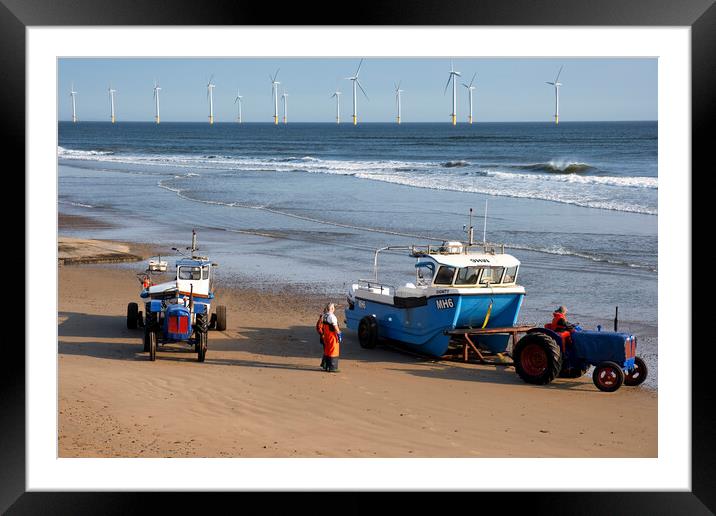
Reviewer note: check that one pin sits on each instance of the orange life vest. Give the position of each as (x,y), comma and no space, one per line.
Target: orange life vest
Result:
(319,325)
(331,344)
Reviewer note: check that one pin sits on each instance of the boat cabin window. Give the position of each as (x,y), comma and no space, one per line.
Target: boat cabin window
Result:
(510,275)
(444,275)
(189,273)
(424,273)
(467,276)
(205,272)
(491,275)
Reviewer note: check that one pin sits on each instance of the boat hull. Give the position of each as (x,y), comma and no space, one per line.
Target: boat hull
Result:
(423,328)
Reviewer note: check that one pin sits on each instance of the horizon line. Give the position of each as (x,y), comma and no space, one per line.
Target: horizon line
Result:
(234,122)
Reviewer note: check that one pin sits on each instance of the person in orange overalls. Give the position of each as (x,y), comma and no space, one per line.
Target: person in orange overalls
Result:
(331,339)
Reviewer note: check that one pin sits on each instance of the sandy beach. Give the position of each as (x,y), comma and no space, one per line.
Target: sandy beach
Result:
(261,393)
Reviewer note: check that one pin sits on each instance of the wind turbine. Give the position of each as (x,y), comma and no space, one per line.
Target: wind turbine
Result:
(470,89)
(210,96)
(157,89)
(274,90)
(337,94)
(355,96)
(237,100)
(398,91)
(556,94)
(111,102)
(452,76)
(74,105)
(284,97)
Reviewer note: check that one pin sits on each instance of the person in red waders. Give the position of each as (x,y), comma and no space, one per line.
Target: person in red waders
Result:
(331,339)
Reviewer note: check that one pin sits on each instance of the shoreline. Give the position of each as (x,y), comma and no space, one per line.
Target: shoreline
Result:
(260,392)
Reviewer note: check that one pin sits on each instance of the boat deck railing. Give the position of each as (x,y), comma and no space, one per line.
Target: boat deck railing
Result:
(383,288)
(463,248)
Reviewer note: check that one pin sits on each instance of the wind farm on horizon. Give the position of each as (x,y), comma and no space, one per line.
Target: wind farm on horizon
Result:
(277,91)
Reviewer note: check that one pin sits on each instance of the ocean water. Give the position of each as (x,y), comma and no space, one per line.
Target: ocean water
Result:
(305,205)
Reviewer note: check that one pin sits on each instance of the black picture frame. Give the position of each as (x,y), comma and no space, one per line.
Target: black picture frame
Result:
(699,15)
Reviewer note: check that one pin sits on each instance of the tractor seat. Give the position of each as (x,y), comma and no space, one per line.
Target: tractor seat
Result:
(566,335)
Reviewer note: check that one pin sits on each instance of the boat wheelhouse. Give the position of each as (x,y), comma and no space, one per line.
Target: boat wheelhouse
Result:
(457,285)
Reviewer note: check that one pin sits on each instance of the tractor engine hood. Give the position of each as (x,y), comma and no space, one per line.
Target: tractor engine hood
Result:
(160,289)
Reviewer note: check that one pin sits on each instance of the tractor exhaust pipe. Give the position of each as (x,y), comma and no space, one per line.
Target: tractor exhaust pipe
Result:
(616,319)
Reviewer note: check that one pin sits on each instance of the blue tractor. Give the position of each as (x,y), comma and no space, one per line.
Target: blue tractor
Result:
(544,354)
(178,310)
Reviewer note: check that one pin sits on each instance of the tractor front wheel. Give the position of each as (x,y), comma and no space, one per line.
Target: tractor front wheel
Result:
(537,358)
(608,376)
(149,327)
(132,316)
(637,375)
(202,339)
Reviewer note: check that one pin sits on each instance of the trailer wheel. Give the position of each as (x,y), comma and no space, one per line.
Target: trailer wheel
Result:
(637,375)
(221,318)
(132,315)
(608,376)
(202,339)
(368,332)
(537,358)
(152,345)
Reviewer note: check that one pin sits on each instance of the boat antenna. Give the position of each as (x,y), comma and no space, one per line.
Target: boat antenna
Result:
(470,229)
(484,227)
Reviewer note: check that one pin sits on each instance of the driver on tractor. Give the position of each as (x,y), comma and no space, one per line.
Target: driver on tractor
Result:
(560,325)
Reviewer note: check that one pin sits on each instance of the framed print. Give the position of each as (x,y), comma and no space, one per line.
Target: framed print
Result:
(467,218)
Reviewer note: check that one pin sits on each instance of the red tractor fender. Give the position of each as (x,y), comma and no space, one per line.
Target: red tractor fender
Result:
(561,338)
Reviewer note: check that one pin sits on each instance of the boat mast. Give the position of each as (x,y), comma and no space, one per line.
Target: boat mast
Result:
(484,228)
(193,242)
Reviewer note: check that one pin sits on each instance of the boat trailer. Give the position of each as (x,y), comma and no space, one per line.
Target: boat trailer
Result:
(464,338)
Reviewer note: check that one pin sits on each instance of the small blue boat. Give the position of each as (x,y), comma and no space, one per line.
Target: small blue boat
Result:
(457,285)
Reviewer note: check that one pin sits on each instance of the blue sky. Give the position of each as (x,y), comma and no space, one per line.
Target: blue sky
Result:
(508,89)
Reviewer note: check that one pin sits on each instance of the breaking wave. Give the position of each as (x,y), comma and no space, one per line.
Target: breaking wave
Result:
(556,181)
(558,167)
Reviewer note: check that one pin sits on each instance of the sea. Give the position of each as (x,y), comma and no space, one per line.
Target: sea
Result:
(303,206)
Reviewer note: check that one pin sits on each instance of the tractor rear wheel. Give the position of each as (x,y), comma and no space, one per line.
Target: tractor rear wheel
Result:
(637,375)
(132,316)
(202,339)
(608,376)
(152,336)
(537,358)
(368,332)
(221,318)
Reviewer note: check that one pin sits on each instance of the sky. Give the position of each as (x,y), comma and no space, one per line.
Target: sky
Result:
(507,89)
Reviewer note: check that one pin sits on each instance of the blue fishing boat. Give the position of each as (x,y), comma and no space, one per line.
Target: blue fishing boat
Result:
(457,286)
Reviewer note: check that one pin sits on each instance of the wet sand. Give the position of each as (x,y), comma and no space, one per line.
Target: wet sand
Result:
(260,392)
